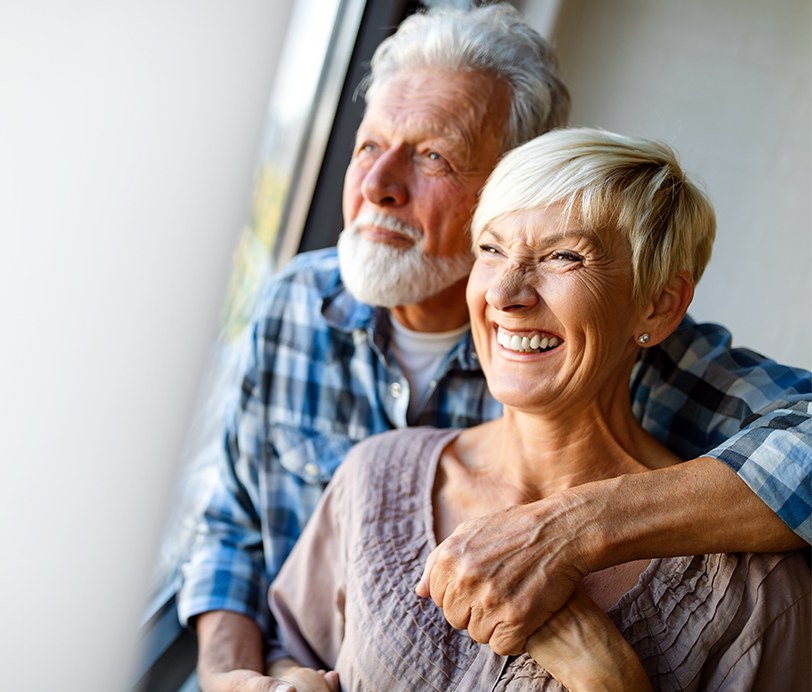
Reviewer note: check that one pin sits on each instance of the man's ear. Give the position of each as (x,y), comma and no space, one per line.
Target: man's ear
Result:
(662,315)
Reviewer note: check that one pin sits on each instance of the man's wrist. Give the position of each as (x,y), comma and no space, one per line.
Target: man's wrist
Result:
(588,510)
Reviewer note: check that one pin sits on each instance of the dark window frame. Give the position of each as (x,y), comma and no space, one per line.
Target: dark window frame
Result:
(324,219)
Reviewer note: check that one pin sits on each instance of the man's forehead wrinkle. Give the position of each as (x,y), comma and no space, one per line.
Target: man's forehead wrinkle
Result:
(423,125)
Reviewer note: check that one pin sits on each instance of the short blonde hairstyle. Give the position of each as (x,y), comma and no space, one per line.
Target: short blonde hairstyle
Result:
(610,181)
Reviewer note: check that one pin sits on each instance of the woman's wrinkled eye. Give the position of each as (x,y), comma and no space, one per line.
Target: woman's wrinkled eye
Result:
(487,249)
(566,256)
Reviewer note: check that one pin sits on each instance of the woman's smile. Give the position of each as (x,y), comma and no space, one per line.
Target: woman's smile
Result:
(526,341)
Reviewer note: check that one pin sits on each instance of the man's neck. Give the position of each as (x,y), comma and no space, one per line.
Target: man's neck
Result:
(441,312)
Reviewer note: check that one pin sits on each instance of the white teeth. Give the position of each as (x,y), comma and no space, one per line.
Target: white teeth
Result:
(525,344)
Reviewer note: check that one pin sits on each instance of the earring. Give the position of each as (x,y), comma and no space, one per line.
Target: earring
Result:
(643,338)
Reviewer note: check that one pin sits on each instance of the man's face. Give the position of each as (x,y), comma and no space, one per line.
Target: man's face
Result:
(424,149)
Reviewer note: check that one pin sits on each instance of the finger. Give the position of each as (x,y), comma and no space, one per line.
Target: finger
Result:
(439,578)
(456,610)
(507,640)
(479,627)
(331,678)
(280,686)
(422,587)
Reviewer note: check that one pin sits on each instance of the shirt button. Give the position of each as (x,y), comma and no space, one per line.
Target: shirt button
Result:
(395,389)
(312,469)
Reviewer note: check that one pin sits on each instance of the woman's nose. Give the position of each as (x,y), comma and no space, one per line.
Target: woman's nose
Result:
(512,290)
(384,183)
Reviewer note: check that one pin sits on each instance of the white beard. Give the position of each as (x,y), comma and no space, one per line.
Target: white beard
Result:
(386,276)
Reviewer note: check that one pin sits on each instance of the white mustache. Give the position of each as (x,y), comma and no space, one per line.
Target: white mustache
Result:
(389,223)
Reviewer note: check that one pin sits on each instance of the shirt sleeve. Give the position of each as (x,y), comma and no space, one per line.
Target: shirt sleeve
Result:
(702,397)
(226,567)
(308,596)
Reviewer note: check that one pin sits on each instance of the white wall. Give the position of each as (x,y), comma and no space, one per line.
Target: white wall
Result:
(727,83)
(128,132)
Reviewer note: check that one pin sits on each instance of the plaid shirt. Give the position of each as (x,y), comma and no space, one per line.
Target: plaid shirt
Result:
(320,377)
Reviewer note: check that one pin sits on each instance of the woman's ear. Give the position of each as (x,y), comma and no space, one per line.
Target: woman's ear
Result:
(662,315)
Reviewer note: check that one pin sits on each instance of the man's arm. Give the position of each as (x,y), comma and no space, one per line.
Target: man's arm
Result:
(230,657)
(501,576)
(223,596)
(699,396)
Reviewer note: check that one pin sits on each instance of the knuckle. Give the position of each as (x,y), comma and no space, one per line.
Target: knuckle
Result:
(505,641)
(514,614)
(492,597)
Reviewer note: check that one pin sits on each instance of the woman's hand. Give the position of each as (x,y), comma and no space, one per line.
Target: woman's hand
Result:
(581,648)
(304,679)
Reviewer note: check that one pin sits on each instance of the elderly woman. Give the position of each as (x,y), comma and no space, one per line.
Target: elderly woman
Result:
(587,245)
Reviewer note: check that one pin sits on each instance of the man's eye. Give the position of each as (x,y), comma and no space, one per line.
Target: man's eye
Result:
(436,160)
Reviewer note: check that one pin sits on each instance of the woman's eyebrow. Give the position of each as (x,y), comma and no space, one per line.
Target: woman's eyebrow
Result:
(568,234)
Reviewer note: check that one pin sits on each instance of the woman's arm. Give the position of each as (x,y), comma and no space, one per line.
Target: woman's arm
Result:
(582,649)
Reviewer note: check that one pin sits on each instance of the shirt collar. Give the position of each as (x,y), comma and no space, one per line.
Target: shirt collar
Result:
(345,313)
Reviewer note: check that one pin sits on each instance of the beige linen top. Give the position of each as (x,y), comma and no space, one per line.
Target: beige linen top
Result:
(345,598)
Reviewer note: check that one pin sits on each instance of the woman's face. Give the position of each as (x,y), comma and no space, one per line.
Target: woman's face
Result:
(551,309)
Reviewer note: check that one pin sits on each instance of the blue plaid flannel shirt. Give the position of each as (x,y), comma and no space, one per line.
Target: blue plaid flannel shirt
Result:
(320,377)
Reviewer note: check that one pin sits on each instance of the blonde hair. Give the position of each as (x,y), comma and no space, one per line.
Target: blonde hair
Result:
(609,181)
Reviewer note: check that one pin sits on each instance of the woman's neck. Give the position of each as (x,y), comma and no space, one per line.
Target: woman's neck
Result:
(538,454)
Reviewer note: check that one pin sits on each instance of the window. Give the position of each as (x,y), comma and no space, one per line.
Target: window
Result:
(308,138)
(305,92)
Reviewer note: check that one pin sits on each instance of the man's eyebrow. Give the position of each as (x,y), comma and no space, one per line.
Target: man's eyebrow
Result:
(455,139)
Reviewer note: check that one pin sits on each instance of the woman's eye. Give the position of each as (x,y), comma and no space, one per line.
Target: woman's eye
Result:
(486,249)
(566,256)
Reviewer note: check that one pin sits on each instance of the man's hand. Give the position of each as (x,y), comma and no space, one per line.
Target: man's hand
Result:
(250,681)
(501,576)
(304,679)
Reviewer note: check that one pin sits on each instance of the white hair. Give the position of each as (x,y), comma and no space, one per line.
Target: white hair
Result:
(490,39)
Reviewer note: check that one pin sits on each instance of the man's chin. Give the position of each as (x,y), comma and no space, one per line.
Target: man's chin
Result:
(383,297)
(385,277)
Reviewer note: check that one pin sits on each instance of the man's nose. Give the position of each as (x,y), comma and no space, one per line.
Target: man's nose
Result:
(512,289)
(384,183)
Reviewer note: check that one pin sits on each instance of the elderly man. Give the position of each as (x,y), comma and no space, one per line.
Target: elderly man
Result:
(374,336)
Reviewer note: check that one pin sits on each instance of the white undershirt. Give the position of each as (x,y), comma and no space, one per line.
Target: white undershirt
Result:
(419,355)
